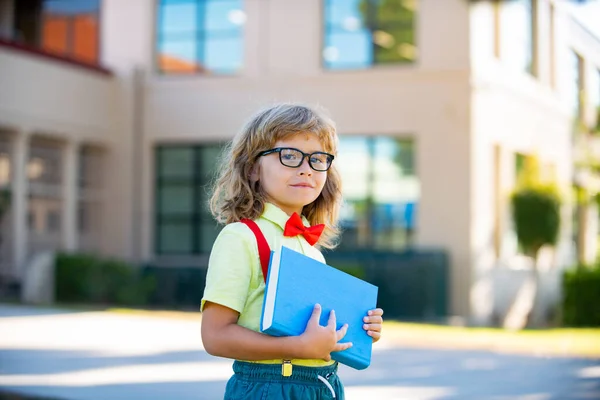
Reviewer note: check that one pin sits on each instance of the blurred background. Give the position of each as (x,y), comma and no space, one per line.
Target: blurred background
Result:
(469,147)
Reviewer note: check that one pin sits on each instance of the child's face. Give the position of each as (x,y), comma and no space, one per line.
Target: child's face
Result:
(291,188)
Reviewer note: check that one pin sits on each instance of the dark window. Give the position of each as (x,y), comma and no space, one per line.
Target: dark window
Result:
(184,224)
(199,36)
(361,33)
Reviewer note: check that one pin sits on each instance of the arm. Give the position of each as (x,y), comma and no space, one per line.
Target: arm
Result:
(223,337)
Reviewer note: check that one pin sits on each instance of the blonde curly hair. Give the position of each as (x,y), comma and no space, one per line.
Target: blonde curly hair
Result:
(235,196)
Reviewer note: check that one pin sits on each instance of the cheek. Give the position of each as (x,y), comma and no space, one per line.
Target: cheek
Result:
(322,181)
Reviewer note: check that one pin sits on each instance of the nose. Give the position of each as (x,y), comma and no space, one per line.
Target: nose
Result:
(304,168)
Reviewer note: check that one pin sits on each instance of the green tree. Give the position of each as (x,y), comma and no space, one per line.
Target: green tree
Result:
(536,215)
(535,209)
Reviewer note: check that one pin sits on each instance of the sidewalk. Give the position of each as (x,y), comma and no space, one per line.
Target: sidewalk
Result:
(96,355)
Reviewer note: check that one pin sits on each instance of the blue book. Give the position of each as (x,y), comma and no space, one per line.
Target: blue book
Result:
(295,283)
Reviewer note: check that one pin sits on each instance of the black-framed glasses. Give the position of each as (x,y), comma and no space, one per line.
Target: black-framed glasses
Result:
(293,158)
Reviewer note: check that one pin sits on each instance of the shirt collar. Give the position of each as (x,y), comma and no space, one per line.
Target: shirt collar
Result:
(278,216)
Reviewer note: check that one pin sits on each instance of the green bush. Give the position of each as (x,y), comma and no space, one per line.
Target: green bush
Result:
(536,213)
(85,278)
(581,297)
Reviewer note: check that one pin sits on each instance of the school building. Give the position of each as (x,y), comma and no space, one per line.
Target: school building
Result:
(113,113)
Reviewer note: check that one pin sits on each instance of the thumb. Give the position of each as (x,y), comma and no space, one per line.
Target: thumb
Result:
(316,315)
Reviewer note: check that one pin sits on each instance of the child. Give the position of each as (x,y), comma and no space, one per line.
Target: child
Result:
(281,166)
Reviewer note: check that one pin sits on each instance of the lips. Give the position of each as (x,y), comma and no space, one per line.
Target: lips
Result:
(303,185)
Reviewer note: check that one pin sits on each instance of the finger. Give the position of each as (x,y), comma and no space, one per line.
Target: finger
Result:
(342,332)
(376,311)
(375,335)
(331,323)
(372,327)
(316,315)
(342,346)
(373,320)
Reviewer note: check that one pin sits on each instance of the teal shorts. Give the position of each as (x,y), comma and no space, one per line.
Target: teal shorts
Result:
(253,381)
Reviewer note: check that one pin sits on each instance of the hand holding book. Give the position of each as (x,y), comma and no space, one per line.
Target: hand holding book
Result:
(296,282)
(373,323)
(320,341)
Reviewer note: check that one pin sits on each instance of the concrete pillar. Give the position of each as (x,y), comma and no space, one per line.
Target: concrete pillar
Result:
(19,201)
(70,195)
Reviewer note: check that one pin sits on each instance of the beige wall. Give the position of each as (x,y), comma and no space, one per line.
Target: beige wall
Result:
(48,96)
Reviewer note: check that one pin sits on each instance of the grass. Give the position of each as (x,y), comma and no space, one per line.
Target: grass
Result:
(571,342)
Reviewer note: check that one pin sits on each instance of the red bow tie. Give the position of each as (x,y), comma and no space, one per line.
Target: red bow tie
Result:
(294,226)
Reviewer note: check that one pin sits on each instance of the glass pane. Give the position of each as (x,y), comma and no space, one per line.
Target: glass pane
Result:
(45,164)
(223,15)
(175,237)
(55,34)
(178,55)
(395,194)
(208,232)
(176,162)
(44,215)
(595,90)
(5,167)
(393,171)
(91,167)
(387,13)
(348,49)
(223,55)
(176,199)
(575,70)
(354,221)
(209,161)
(353,163)
(344,14)
(85,38)
(178,17)
(71,6)
(394,45)
(517,42)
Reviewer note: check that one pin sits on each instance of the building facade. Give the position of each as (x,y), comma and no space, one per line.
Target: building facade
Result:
(113,114)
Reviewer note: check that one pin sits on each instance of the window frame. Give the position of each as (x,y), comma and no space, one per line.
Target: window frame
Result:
(197,181)
(200,33)
(70,36)
(326,30)
(370,204)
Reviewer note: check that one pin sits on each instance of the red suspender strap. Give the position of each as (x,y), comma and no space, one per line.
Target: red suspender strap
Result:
(264,251)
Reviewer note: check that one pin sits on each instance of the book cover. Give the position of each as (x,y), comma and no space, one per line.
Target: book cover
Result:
(295,283)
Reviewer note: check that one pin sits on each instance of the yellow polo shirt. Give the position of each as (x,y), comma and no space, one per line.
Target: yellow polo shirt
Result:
(235,278)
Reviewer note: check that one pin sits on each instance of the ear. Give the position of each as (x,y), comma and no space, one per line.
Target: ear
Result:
(254,173)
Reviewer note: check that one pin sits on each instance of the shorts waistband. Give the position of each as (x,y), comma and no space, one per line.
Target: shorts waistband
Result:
(273,371)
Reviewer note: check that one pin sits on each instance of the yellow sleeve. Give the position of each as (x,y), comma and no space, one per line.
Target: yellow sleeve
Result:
(230,268)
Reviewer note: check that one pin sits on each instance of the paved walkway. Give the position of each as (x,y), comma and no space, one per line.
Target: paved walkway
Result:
(99,356)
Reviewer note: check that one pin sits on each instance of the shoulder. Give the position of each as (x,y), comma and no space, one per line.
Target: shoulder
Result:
(235,230)
(234,245)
